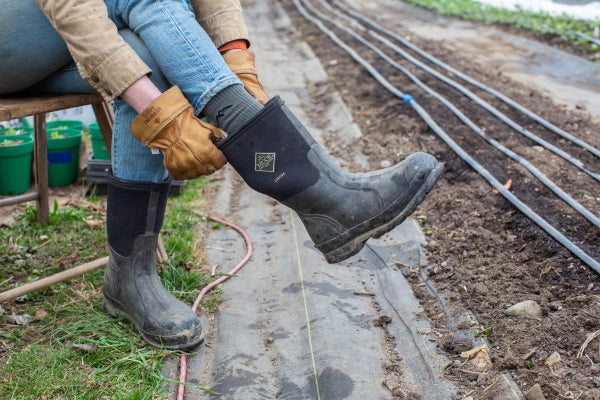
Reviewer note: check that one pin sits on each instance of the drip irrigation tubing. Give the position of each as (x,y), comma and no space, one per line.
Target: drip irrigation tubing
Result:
(509,153)
(590,39)
(518,128)
(407,98)
(494,111)
(405,42)
(209,287)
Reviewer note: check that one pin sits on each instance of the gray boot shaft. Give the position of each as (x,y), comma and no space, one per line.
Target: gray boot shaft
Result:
(277,156)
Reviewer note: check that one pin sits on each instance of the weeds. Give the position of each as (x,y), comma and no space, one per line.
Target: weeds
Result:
(564,27)
(483,331)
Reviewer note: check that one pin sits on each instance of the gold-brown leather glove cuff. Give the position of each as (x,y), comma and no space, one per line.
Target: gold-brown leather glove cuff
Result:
(242,63)
(187,143)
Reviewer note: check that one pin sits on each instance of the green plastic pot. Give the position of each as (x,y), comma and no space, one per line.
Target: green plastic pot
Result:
(99,150)
(63,156)
(19,130)
(16,153)
(64,124)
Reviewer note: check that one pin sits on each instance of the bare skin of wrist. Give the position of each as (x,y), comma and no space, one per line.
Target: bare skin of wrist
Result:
(140,94)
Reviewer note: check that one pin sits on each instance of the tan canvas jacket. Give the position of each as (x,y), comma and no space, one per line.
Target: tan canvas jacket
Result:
(104,60)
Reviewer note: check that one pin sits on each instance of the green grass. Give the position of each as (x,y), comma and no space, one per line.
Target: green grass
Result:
(30,250)
(115,367)
(482,331)
(73,349)
(541,23)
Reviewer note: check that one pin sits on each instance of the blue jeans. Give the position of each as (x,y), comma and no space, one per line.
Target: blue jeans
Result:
(164,33)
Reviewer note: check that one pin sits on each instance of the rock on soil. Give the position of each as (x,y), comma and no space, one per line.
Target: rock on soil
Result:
(527,307)
(535,393)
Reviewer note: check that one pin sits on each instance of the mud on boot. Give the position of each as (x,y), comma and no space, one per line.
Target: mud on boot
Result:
(277,156)
(132,287)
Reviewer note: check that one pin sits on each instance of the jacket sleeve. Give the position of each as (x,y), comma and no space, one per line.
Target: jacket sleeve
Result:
(223,20)
(102,57)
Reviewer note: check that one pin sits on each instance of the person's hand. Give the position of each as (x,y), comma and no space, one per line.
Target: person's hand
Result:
(187,143)
(241,62)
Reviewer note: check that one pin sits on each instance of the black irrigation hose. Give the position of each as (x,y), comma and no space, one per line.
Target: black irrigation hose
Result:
(590,39)
(559,237)
(494,111)
(547,124)
(533,170)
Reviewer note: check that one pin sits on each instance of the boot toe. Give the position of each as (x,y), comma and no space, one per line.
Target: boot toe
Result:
(417,166)
(179,332)
(402,188)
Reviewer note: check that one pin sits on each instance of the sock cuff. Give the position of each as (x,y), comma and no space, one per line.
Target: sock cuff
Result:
(232,108)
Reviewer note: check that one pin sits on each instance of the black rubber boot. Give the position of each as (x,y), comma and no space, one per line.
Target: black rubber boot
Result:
(277,156)
(132,287)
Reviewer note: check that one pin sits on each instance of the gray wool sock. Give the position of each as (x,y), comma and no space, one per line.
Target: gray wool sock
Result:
(232,108)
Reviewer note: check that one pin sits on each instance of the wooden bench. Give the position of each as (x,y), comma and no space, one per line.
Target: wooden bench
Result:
(13,107)
(38,106)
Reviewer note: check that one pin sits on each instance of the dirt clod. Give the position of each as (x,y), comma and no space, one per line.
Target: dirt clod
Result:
(535,393)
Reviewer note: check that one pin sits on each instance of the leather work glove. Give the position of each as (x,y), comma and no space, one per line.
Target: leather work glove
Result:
(187,143)
(241,63)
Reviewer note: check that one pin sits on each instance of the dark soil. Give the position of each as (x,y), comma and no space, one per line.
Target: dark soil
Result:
(483,254)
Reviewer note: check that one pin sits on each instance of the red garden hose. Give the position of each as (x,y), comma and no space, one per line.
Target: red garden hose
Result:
(183,360)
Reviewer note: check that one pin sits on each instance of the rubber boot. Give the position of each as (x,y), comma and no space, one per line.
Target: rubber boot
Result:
(277,156)
(132,287)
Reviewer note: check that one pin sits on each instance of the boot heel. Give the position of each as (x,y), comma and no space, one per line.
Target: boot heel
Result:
(111,310)
(345,251)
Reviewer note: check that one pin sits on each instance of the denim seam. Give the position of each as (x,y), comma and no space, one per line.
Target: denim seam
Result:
(196,101)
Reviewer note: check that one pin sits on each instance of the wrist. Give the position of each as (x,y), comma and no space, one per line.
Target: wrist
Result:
(141,93)
(234,45)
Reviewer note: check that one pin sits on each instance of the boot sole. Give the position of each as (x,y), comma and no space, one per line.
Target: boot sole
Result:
(115,312)
(356,244)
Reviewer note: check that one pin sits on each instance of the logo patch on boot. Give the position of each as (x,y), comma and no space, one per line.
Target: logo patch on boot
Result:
(264,162)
